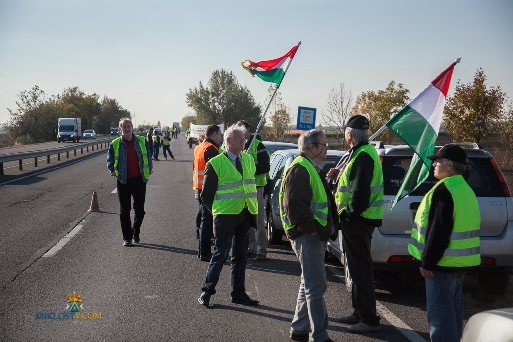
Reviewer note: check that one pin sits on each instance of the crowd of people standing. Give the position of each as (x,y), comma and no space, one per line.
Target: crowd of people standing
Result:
(228,181)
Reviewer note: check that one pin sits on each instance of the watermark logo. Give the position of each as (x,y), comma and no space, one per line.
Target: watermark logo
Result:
(74,302)
(75,309)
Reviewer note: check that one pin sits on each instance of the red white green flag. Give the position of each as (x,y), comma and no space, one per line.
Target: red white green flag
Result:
(273,70)
(418,124)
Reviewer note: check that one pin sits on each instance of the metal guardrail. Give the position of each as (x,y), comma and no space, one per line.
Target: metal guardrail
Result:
(20,156)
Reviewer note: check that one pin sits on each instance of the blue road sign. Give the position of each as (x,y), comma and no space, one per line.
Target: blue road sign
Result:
(306,118)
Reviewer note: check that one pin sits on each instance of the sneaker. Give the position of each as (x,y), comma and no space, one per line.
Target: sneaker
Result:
(260,257)
(166,158)
(351,319)
(299,337)
(137,239)
(127,243)
(363,328)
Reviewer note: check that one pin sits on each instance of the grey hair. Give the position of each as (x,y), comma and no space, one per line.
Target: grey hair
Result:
(123,120)
(307,138)
(360,135)
(229,131)
(459,167)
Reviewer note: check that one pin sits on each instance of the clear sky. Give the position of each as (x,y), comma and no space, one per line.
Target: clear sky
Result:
(147,54)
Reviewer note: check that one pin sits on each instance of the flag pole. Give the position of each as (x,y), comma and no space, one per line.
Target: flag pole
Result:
(268,104)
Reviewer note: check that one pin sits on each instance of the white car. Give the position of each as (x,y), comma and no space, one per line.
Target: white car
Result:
(493,325)
(89,134)
(157,130)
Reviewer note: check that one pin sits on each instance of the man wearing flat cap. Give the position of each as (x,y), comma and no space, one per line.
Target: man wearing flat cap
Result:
(446,241)
(359,199)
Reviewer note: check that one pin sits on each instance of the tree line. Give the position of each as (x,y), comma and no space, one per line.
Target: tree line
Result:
(36,116)
(472,113)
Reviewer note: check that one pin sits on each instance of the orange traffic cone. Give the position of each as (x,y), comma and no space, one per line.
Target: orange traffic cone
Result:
(94,203)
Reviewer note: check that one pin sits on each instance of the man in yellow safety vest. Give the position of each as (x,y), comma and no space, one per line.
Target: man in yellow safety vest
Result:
(309,217)
(229,192)
(129,160)
(359,199)
(445,239)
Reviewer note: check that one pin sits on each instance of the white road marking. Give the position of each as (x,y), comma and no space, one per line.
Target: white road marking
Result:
(115,191)
(62,242)
(400,325)
(389,316)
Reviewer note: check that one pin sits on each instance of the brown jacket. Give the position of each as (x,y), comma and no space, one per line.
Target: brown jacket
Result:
(297,196)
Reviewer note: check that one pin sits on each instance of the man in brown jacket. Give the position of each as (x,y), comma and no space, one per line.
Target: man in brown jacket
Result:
(309,217)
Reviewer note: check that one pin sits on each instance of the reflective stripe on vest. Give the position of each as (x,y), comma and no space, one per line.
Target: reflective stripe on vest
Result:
(319,203)
(199,164)
(464,246)
(261,180)
(154,138)
(234,193)
(343,194)
(142,145)
(165,141)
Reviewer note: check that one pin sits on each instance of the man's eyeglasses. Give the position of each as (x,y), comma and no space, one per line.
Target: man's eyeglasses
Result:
(325,145)
(239,139)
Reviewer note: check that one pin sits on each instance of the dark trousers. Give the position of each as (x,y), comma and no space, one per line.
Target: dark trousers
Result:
(151,149)
(136,188)
(239,243)
(357,244)
(198,222)
(156,149)
(206,231)
(166,147)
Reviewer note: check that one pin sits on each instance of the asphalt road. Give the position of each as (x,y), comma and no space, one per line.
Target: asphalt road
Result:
(149,292)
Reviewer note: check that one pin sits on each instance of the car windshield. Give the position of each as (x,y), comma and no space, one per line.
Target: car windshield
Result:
(480,175)
(88,131)
(66,128)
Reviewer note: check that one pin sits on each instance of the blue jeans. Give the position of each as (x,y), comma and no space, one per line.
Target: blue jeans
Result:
(239,244)
(445,306)
(206,231)
(311,314)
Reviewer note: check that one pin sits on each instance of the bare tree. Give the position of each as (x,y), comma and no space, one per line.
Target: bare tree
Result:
(337,111)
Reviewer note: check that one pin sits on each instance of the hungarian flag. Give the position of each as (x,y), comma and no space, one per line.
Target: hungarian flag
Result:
(273,70)
(418,124)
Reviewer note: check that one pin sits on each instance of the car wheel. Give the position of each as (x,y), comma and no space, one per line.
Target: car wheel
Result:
(274,236)
(493,283)
(347,274)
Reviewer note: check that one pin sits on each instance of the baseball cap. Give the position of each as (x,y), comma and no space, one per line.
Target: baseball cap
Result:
(357,122)
(451,152)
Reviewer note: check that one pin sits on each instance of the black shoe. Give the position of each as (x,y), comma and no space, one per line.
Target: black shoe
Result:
(251,255)
(205,259)
(351,319)
(204,299)
(299,337)
(245,300)
(137,239)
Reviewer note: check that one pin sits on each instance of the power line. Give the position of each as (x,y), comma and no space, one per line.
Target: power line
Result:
(9,86)
(14,81)
(8,91)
